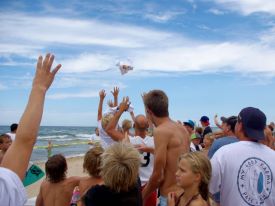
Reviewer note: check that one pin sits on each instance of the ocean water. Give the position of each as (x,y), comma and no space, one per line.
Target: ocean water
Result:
(71,141)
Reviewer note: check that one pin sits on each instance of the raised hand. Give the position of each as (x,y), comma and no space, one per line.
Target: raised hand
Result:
(44,76)
(115,91)
(102,94)
(124,105)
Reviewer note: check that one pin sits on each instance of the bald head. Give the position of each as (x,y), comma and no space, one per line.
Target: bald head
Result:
(141,123)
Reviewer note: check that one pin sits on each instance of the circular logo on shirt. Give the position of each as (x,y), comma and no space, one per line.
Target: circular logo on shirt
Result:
(254,181)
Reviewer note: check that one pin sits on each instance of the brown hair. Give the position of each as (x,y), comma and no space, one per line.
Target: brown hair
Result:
(4,136)
(126,124)
(92,161)
(200,164)
(56,168)
(120,167)
(157,102)
(199,130)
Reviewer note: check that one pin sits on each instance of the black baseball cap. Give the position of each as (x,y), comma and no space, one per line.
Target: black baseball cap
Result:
(254,122)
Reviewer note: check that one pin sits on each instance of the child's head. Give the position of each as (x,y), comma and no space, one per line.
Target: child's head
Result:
(105,120)
(5,142)
(56,168)
(194,169)
(120,167)
(92,161)
(208,140)
(126,125)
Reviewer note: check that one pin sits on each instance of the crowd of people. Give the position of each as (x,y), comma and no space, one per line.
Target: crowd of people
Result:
(149,160)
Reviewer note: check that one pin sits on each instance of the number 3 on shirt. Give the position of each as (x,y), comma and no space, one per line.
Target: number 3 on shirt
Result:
(147,160)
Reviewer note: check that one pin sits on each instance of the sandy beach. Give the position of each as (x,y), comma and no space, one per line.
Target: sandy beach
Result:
(74,169)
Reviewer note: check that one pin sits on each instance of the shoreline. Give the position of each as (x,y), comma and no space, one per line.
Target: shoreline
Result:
(75,168)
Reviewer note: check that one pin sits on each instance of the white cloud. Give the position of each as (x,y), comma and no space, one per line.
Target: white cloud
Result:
(2,87)
(87,62)
(268,37)
(216,11)
(154,50)
(210,58)
(42,31)
(247,7)
(163,17)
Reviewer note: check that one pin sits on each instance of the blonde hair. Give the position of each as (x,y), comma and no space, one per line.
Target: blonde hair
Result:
(105,120)
(92,161)
(200,164)
(120,166)
(211,137)
(126,124)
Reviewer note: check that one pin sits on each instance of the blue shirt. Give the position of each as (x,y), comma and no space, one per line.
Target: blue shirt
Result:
(218,143)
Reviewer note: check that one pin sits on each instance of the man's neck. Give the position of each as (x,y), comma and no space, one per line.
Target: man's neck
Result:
(160,120)
(140,134)
(230,134)
(244,138)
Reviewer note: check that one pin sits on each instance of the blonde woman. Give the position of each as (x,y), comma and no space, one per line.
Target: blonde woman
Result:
(207,141)
(193,176)
(120,167)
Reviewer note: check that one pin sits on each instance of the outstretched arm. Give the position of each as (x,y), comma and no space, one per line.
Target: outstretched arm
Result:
(19,153)
(132,116)
(217,122)
(111,128)
(102,95)
(115,94)
(151,126)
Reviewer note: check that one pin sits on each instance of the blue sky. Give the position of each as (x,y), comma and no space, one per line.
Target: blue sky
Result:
(209,56)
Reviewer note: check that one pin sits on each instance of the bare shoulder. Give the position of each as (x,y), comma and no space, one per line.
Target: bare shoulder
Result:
(74,179)
(199,202)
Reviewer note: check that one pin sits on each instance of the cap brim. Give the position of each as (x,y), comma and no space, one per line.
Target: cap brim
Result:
(187,123)
(255,134)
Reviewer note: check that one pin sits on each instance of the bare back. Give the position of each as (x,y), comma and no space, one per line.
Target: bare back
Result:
(57,194)
(87,182)
(175,139)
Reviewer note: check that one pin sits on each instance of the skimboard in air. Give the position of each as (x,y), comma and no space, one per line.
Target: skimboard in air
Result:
(33,174)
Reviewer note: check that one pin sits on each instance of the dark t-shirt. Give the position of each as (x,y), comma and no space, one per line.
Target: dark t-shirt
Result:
(101,195)
(206,131)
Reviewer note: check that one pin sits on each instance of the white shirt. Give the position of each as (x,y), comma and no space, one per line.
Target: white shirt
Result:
(193,147)
(12,135)
(12,191)
(105,138)
(146,159)
(95,140)
(243,173)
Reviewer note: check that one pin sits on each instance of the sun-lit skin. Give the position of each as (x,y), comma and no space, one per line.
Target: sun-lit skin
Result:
(185,176)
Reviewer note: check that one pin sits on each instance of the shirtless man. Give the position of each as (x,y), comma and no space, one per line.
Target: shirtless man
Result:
(171,140)
(56,190)
(5,143)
